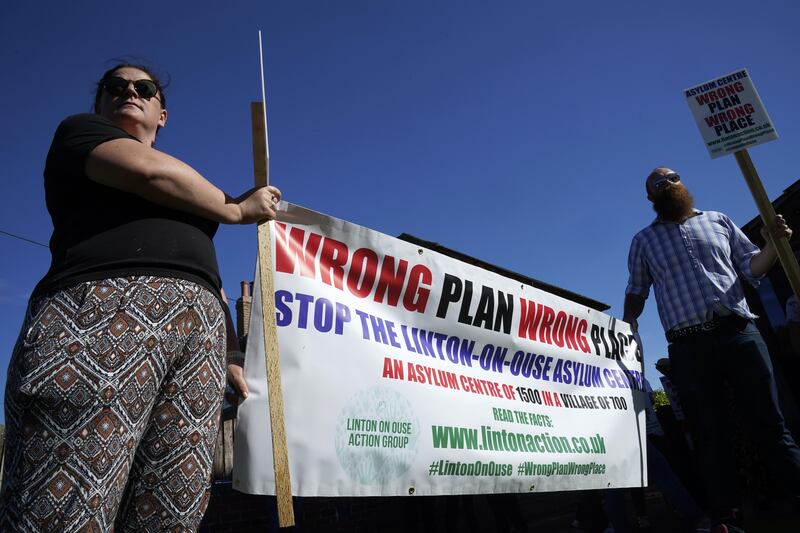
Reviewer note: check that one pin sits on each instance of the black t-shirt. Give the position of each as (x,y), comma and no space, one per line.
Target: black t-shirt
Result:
(100,232)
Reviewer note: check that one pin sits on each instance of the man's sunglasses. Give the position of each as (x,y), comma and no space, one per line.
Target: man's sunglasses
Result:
(672,177)
(117,86)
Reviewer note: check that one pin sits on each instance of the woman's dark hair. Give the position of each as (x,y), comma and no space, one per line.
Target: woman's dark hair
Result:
(143,68)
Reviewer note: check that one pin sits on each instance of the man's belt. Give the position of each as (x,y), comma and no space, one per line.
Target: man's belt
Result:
(675,334)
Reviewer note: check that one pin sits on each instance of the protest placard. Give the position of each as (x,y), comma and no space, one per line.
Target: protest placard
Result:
(731,118)
(408,372)
(729,114)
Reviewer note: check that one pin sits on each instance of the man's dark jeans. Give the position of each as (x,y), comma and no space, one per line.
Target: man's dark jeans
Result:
(736,353)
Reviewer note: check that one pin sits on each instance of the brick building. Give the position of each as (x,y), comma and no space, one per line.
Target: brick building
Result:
(768,301)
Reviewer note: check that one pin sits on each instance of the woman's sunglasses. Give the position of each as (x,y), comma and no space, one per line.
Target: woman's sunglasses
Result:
(117,86)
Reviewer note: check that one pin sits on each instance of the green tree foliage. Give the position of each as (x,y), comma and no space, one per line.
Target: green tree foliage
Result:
(659,398)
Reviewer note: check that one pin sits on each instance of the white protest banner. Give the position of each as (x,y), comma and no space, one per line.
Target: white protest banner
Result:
(730,114)
(408,372)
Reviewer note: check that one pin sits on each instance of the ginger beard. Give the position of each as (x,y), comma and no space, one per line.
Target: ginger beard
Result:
(674,203)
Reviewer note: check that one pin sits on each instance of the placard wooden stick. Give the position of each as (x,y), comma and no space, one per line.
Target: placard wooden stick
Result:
(787,258)
(280,452)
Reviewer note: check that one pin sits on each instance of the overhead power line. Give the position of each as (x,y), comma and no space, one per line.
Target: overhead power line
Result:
(23,238)
(44,245)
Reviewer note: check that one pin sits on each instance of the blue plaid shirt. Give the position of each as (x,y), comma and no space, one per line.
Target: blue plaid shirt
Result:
(693,267)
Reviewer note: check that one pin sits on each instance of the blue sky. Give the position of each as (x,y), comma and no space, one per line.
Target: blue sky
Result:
(517,132)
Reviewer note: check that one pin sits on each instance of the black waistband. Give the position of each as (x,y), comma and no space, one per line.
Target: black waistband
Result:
(715,323)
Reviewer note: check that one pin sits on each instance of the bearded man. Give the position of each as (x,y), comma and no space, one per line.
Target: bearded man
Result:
(692,257)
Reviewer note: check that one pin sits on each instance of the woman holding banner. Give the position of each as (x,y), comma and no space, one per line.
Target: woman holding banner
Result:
(115,383)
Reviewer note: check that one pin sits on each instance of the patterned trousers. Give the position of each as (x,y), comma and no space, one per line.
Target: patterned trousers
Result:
(112,407)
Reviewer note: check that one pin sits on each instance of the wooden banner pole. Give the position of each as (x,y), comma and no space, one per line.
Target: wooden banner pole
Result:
(280,453)
(787,258)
